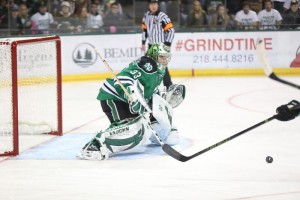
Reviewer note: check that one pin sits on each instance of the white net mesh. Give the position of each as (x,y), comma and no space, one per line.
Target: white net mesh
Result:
(37,90)
(6,112)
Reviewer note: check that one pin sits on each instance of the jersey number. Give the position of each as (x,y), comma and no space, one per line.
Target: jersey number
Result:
(135,73)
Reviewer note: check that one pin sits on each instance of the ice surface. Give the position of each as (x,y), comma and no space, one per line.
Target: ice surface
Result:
(214,108)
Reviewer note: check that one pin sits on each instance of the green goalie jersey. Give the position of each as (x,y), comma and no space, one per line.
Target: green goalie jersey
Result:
(144,69)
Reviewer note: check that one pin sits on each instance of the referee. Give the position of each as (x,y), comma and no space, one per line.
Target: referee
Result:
(158,28)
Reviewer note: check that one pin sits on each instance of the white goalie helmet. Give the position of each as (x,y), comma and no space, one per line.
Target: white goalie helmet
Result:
(160,53)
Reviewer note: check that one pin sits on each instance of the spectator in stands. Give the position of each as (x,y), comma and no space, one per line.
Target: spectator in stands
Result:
(278,5)
(211,8)
(233,7)
(202,2)
(163,6)
(246,19)
(29,5)
(82,20)
(255,5)
(23,21)
(79,4)
(66,22)
(214,3)
(173,9)
(95,21)
(14,11)
(183,12)
(287,5)
(73,5)
(269,18)
(114,21)
(11,4)
(3,16)
(108,6)
(197,17)
(220,20)
(100,7)
(42,20)
(65,9)
(35,6)
(291,18)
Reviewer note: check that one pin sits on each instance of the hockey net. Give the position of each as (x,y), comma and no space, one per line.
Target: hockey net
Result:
(30,90)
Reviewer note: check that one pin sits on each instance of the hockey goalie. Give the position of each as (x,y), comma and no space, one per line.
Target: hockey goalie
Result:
(137,110)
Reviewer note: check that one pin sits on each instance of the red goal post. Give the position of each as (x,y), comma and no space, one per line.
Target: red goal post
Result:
(30,89)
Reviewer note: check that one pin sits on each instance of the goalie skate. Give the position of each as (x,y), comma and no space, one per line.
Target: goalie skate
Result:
(93,153)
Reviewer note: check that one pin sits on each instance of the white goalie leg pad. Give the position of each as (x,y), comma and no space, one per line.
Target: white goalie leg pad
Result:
(173,137)
(134,133)
(119,138)
(169,137)
(163,113)
(162,132)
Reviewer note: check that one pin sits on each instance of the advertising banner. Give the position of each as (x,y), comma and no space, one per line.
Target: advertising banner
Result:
(79,55)
(233,49)
(213,50)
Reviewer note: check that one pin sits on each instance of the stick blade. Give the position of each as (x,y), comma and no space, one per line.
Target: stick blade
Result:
(276,78)
(173,153)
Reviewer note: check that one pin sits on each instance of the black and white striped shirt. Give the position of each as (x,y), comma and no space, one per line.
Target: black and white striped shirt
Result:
(157,28)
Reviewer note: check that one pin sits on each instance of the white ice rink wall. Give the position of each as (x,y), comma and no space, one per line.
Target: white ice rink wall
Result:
(207,53)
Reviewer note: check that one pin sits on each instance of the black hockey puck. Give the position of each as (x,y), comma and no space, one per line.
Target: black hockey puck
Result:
(269,159)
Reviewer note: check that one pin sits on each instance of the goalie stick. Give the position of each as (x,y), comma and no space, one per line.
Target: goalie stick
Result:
(266,66)
(172,152)
(178,156)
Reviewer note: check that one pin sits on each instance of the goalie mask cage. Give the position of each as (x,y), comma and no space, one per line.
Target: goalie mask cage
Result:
(30,90)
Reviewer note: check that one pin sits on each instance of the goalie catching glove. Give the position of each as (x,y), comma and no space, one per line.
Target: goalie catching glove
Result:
(288,111)
(174,95)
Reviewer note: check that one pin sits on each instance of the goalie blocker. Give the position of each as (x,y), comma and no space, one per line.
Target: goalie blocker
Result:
(133,132)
